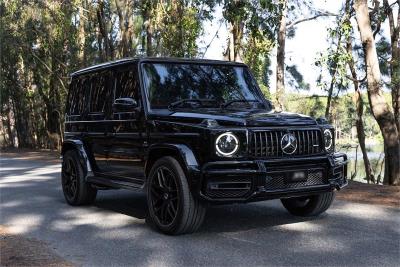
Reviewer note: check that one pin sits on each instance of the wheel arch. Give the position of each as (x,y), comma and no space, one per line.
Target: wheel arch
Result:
(76,144)
(180,152)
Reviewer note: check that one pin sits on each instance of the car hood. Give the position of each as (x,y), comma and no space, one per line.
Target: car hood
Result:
(241,118)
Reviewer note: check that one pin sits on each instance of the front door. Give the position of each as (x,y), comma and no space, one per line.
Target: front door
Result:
(126,155)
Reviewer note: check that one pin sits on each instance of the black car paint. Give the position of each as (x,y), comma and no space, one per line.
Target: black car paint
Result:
(118,151)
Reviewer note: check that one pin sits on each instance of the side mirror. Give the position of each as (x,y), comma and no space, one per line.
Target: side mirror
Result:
(270,105)
(124,104)
(322,120)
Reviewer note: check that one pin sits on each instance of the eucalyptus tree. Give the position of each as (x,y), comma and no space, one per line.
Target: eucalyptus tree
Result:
(379,107)
(252,29)
(292,13)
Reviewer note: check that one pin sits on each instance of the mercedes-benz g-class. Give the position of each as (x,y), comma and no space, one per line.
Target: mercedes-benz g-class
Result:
(191,133)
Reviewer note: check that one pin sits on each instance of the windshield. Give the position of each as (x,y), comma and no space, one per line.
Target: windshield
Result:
(177,85)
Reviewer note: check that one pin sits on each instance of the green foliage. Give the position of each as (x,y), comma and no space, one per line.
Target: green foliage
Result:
(343,111)
(336,58)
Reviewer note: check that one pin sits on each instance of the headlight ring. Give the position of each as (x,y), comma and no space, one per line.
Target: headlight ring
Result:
(226,144)
(328,139)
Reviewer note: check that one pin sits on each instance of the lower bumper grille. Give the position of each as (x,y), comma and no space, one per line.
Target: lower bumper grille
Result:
(278,180)
(228,187)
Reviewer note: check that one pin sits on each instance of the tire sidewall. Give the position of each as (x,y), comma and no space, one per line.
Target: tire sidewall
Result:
(313,207)
(71,154)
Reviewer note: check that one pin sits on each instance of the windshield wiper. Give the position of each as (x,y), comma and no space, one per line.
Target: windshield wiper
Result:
(239,101)
(179,103)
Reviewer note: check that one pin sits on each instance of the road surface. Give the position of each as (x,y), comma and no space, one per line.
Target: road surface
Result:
(113,231)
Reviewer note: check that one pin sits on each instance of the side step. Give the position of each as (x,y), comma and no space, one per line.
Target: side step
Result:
(114,184)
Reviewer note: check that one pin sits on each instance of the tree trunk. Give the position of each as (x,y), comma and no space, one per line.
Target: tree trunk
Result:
(395,60)
(359,117)
(233,51)
(379,107)
(280,66)
(329,98)
(81,36)
(104,29)
(125,16)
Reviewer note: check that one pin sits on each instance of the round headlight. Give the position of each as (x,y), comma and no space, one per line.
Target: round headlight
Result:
(227,144)
(328,139)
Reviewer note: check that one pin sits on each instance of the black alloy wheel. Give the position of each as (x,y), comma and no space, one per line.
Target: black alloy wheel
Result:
(69,178)
(164,196)
(75,188)
(172,208)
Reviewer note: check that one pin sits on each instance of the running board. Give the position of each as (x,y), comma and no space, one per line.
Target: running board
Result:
(115,184)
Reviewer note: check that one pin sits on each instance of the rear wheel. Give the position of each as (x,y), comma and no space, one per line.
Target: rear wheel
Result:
(309,205)
(76,190)
(172,208)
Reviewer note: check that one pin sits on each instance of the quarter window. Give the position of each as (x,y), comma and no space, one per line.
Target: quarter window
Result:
(126,83)
(78,96)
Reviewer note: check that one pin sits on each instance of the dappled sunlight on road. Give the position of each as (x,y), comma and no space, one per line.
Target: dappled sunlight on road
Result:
(362,211)
(19,224)
(303,227)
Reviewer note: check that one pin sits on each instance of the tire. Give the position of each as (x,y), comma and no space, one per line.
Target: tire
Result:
(172,208)
(76,190)
(309,205)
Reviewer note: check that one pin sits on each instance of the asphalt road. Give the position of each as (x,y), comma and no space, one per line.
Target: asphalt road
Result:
(113,232)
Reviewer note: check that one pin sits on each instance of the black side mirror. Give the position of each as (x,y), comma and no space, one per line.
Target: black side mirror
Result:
(124,104)
(322,120)
(270,105)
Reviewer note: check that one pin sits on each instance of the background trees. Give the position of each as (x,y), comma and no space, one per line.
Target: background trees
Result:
(43,41)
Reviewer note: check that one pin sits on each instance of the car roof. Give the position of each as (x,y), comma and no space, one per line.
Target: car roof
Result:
(123,61)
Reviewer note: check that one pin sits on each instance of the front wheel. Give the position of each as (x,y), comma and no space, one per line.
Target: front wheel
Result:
(172,208)
(309,205)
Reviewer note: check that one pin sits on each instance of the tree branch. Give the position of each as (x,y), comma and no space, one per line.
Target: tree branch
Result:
(294,23)
(355,80)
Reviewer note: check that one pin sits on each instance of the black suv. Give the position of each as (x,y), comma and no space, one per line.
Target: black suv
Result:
(192,133)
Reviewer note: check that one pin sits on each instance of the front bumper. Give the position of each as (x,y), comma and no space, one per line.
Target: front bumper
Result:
(245,181)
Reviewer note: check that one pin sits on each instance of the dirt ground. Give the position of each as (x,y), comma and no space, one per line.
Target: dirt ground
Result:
(371,194)
(16,250)
(51,156)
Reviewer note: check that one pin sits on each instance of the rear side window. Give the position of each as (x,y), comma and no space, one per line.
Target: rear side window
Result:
(78,96)
(127,82)
(99,93)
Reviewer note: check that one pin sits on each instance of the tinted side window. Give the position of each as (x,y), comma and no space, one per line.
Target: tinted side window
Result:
(99,93)
(71,96)
(78,96)
(127,82)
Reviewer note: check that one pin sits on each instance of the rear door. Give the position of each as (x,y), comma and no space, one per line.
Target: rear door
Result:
(126,156)
(99,132)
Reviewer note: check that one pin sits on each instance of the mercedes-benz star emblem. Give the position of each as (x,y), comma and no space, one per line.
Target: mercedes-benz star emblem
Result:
(289,143)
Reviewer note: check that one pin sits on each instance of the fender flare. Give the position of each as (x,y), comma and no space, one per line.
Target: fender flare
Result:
(183,151)
(79,147)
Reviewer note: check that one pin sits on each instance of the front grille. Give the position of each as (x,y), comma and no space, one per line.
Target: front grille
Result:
(267,143)
(277,180)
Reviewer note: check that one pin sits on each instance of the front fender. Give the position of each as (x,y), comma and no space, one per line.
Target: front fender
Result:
(183,153)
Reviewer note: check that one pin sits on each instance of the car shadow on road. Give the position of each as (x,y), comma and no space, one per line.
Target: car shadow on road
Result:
(221,218)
